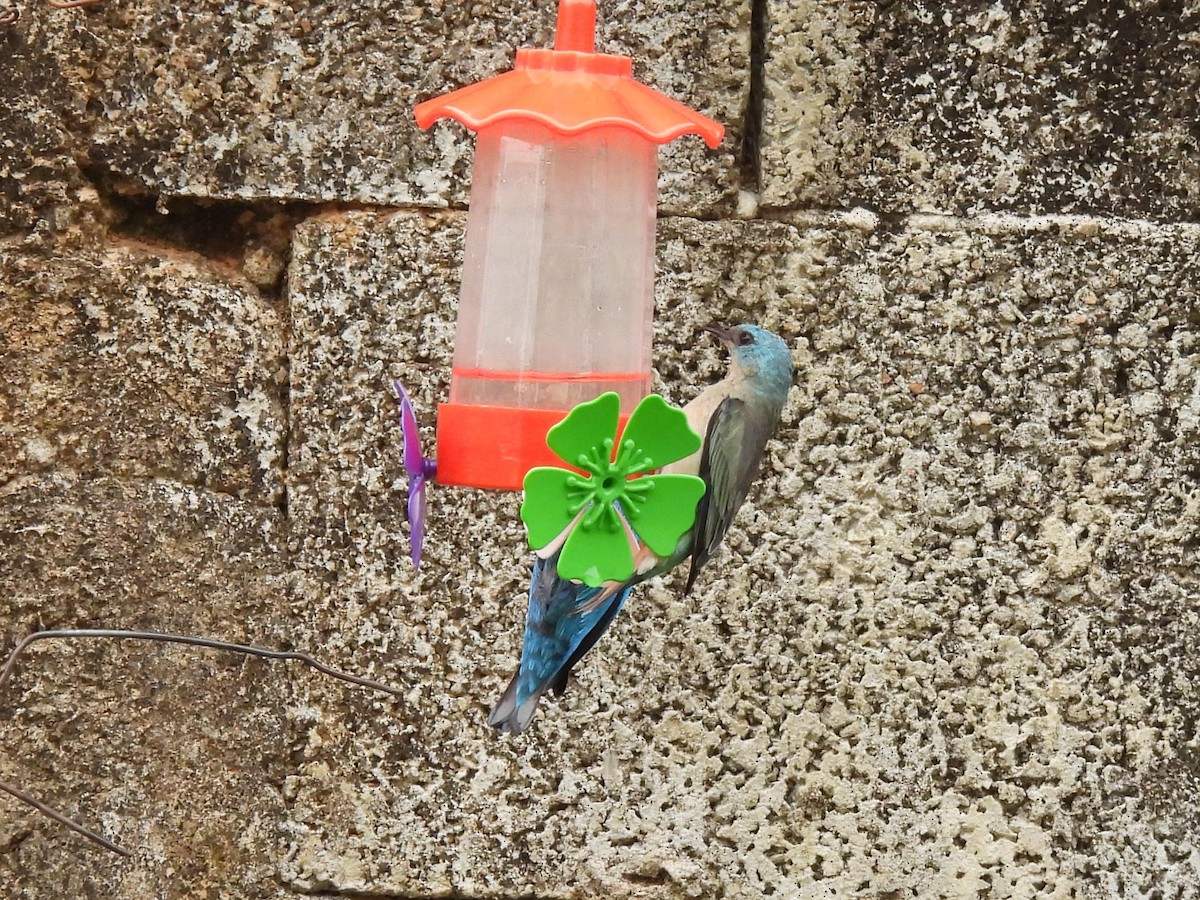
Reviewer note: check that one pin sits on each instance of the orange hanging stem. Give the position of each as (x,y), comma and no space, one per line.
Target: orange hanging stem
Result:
(576,26)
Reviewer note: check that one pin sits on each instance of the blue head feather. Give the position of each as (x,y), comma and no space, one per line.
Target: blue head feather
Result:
(763,358)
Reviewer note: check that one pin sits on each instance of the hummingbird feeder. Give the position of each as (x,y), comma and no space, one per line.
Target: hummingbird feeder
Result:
(557,295)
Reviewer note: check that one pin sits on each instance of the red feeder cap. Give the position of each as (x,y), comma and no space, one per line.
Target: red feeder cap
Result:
(570,90)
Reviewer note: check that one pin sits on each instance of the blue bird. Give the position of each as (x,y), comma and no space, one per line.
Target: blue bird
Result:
(737,416)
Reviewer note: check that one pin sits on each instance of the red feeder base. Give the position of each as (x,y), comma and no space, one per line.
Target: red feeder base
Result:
(494,446)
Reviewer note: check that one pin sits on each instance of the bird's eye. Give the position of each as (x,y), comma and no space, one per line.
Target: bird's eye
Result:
(745,338)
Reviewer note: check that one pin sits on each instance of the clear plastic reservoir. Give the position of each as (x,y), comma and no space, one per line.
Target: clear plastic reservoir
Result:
(558,278)
(558,281)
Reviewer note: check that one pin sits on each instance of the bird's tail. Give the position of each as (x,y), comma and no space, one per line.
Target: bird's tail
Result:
(508,715)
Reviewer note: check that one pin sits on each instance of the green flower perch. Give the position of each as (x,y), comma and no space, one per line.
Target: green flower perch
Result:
(606,514)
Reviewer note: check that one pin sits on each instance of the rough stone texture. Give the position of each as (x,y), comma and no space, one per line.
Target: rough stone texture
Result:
(178,753)
(126,371)
(968,106)
(122,360)
(1000,523)
(951,648)
(314,102)
(936,661)
(38,174)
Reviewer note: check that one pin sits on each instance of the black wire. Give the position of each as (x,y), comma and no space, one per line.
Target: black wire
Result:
(208,643)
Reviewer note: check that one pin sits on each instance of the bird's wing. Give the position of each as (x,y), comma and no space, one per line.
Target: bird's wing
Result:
(733,448)
(614,599)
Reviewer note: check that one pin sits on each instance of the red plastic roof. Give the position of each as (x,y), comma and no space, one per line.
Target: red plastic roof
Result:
(571,90)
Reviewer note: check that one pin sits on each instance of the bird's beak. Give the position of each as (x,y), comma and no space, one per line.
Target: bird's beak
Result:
(724,334)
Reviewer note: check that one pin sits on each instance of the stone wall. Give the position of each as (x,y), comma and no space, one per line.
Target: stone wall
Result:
(952,646)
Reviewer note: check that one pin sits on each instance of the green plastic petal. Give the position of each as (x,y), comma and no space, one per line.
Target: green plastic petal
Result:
(661,432)
(546,507)
(667,511)
(596,556)
(585,427)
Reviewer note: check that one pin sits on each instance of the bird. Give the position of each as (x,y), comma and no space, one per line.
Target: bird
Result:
(736,417)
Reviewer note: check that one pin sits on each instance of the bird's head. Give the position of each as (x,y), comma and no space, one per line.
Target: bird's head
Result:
(757,354)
